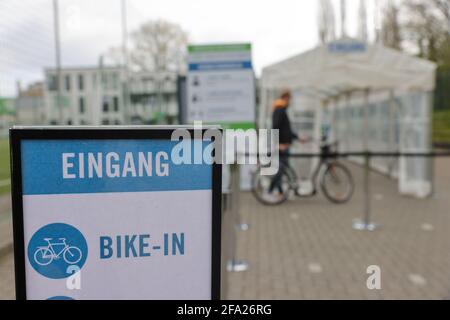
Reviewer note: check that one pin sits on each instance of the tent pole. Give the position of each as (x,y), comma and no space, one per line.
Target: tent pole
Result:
(391,131)
(366,224)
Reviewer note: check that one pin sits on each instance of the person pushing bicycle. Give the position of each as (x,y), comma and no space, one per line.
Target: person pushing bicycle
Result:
(334,179)
(281,122)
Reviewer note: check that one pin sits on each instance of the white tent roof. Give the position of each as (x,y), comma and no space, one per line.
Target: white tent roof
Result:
(348,64)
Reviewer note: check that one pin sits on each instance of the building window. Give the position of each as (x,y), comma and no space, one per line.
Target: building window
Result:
(94,81)
(80,82)
(116,104)
(81,105)
(69,122)
(52,82)
(105,104)
(104,81)
(114,81)
(105,122)
(117,122)
(67,82)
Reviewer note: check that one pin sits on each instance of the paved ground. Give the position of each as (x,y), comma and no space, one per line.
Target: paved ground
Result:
(7,277)
(6,257)
(5,224)
(5,202)
(306,249)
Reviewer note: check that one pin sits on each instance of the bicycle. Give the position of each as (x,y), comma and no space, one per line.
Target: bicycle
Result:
(45,255)
(336,181)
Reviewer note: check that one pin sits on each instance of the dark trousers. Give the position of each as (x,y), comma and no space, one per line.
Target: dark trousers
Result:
(283,164)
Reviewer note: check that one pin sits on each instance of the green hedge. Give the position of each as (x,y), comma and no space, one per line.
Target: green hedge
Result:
(442,93)
(441,126)
(4,164)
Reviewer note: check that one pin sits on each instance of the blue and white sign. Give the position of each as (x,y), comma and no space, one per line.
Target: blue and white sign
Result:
(131,223)
(221,85)
(56,247)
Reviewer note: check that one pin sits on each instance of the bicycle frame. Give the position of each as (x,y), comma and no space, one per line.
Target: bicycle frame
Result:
(52,249)
(324,161)
(324,169)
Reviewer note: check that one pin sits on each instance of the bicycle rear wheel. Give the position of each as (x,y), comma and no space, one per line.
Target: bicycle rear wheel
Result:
(261,187)
(337,183)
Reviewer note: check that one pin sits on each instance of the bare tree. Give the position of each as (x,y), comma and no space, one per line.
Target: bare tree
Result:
(159,46)
(444,53)
(427,27)
(326,21)
(444,7)
(344,18)
(391,29)
(362,20)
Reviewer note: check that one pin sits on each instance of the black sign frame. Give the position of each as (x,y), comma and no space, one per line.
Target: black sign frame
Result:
(18,134)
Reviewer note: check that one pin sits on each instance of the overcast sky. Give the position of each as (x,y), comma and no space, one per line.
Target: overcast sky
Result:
(276,28)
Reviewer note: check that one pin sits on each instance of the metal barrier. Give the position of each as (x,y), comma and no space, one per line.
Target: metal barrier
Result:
(234,264)
(365,224)
(231,224)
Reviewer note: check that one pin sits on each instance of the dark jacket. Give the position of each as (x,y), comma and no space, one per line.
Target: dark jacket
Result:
(280,121)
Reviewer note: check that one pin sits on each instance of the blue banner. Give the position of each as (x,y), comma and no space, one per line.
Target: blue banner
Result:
(347,47)
(218,66)
(103,166)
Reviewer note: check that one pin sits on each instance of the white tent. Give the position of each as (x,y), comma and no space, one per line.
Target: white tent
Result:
(351,65)
(379,99)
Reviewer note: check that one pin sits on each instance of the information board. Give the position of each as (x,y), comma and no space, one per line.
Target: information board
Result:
(107,214)
(221,85)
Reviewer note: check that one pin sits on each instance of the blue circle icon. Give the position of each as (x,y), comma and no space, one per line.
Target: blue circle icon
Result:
(55,249)
(60,298)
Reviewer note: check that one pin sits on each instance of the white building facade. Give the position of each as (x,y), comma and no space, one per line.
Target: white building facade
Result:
(30,106)
(88,96)
(97,96)
(153,97)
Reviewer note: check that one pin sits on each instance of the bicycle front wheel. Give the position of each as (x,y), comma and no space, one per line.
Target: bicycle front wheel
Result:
(72,255)
(261,189)
(337,183)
